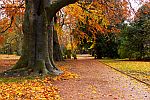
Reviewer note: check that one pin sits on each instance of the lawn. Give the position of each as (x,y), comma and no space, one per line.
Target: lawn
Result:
(136,69)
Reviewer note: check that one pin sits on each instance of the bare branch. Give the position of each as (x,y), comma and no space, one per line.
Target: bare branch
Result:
(131,6)
(12,18)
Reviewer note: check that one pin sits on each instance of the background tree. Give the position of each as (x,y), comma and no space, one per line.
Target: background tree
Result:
(135,38)
(93,19)
(106,45)
(11,18)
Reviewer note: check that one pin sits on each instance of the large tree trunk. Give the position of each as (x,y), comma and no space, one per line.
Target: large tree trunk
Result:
(35,48)
(37,57)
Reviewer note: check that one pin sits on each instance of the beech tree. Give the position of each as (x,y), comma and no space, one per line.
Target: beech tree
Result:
(37,57)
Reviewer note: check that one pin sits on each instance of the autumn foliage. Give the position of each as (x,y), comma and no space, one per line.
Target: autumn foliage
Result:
(143,12)
(99,14)
(29,89)
(1,39)
(11,11)
(35,89)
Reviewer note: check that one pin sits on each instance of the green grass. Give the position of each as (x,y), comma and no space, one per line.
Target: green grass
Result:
(15,79)
(137,69)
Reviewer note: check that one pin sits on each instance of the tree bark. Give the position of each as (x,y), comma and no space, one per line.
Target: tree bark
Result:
(57,54)
(37,56)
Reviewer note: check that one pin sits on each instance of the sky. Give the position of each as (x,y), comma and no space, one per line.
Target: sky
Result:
(136,4)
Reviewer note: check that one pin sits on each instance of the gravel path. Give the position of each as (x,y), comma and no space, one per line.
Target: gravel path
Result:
(99,82)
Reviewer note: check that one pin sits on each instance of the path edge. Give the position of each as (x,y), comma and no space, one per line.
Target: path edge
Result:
(125,73)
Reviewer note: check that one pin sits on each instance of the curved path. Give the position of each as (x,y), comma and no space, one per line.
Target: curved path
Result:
(99,82)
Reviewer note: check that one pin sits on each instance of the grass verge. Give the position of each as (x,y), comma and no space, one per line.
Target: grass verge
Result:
(137,69)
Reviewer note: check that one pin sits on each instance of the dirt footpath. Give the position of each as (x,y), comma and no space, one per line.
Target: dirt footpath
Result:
(99,82)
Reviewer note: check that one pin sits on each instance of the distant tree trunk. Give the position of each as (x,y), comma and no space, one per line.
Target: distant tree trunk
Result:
(50,43)
(57,50)
(141,49)
(57,53)
(37,56)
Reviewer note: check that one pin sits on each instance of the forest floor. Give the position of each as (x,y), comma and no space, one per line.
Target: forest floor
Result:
(94,81)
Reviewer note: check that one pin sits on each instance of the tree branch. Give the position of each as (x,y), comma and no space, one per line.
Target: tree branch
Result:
(12,18)
(56,6)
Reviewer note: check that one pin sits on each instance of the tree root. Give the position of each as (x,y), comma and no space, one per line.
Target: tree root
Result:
(22,63)
(16,72)
(41,68)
